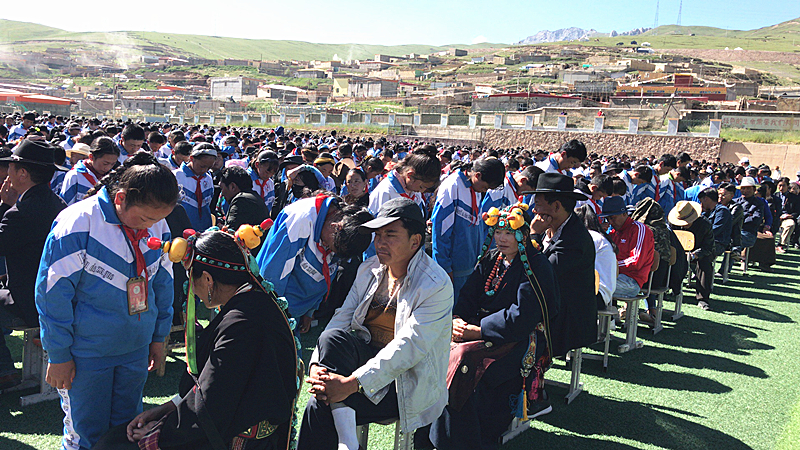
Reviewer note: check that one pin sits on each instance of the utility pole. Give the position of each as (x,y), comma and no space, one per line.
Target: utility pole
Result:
(655,22)
(680,8)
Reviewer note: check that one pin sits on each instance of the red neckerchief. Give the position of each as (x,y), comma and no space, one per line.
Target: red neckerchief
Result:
(326,271)
(597,209)
(475,211)
(134,236)
(262,185)
(658,186)
(198,194)
(511,183)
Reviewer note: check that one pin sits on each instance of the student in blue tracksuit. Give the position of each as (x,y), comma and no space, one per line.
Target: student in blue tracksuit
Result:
(568,157)
(197,186)
(458,229)
(417,173)
(262,169)
(300,251)
(88,172)
(640,184)
(671,187)
(19,131)
(105,299)
(180,154)
(515,184)
(130,141)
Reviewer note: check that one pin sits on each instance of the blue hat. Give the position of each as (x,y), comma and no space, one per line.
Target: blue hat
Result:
(613,206)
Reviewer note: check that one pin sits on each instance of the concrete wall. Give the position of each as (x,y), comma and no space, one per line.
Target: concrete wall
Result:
(638,145)
(785,156)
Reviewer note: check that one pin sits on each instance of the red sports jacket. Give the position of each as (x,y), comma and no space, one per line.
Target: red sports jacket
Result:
(636,250)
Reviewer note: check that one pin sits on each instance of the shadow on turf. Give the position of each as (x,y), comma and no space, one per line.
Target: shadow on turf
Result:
(707,334)
(11,444)
(599,416)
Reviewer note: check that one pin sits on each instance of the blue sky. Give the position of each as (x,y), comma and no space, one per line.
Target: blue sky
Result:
(397,22)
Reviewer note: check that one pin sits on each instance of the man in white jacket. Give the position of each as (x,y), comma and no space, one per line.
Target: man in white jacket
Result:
(384,353)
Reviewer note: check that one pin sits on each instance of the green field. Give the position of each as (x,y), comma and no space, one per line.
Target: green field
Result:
(726,378)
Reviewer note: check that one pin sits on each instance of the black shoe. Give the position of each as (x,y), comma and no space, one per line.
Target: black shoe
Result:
(540,407)
(703,305)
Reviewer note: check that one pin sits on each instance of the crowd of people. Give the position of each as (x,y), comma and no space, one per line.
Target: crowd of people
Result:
(447,278)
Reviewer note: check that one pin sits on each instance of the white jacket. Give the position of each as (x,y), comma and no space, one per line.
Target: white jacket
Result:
(605,262)
(418,355)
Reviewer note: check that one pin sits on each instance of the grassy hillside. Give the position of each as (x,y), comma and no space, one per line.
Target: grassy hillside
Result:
(30,36)
(783,37)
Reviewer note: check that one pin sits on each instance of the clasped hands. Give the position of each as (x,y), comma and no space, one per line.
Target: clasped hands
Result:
(465,332)
(330,387)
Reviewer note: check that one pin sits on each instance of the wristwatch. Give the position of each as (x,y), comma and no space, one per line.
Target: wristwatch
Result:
(360,387)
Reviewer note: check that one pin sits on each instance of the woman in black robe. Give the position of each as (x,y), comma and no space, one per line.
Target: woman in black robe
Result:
(240,388)
(500,327)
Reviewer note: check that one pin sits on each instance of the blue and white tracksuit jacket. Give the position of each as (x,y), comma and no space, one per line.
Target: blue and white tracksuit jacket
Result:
(123,154)
(503,196)
(81,297)
(671,192)
(16,132)
(81,292)
(458,232)
(76,184)
(266,189)
(550,165)
(389,188)
(290,258)
(637,192)
(199,215)
(169,163)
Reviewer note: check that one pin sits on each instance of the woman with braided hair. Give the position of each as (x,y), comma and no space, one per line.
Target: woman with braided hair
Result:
(500,343)
(241,384)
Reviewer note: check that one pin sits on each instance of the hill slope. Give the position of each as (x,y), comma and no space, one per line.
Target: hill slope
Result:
(30,36)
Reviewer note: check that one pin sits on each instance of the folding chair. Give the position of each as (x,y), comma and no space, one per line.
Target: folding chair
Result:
(34,370)
(169,348)
(604,328)
(632,312)
(402,441)
(660,291)
(686,239)
(726,260)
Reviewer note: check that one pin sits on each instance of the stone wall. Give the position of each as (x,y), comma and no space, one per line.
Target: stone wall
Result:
(639,145)
(785,156)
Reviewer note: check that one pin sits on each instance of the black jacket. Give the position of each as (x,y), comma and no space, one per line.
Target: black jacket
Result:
(703,238)
(572,256)
(247,208)
(721,224)
(513,312)
(753,211)
(246,360)
(23,230)
(790,203)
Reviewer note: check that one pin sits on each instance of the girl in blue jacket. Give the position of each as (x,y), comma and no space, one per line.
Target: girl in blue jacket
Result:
(105,299)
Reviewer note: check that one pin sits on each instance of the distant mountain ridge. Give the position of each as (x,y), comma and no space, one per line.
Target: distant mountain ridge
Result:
(575,34)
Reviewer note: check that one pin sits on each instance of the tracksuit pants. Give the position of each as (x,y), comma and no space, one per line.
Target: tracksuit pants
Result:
(106,392)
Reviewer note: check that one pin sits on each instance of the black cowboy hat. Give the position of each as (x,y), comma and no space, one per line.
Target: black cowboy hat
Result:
(555,183)
(35,152)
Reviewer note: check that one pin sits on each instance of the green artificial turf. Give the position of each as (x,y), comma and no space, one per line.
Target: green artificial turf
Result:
(725,379)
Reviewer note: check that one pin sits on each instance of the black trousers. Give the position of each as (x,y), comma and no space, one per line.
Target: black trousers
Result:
(342,353)
(480,422)
(705,278)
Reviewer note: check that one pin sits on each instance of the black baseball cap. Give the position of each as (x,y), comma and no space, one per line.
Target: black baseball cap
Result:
(394,209)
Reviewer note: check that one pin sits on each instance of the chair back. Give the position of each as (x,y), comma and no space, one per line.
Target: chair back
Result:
(596,281)
(673,255)
(686,238)
(656,261)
